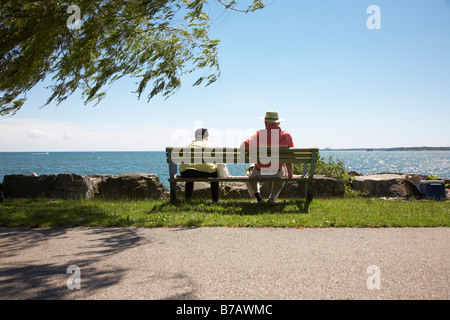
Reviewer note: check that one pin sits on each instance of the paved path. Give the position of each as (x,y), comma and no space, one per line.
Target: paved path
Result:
(225,263)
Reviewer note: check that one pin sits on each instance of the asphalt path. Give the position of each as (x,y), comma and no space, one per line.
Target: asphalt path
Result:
(224,263)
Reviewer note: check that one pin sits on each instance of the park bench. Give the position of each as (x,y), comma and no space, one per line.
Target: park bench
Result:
(265,155)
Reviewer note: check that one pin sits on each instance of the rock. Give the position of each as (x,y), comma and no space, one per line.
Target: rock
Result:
(228,190)
(25,186)
(96,179)
(374,185)
(201,190)
(234,190)
(324,187)
(327,187)
(355,173)
(66,185)
(380,185)
(148,186)
(69,185)
(130,186)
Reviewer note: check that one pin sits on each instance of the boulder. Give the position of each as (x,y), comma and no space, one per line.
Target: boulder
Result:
(234,190)
(69,185)
(228,190)
(130,186)
(66,185)
(380,185)
(355,173)
(323,187)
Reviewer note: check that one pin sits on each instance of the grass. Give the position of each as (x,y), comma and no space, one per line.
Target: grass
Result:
(339,212)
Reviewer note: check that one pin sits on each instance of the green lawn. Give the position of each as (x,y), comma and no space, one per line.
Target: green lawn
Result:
(342,212)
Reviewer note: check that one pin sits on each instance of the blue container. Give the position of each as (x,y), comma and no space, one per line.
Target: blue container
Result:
(433,189)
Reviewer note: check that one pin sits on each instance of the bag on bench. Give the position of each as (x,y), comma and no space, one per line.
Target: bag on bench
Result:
(222,170)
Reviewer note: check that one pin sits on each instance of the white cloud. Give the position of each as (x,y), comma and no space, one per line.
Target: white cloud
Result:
(40,134)
(17,134)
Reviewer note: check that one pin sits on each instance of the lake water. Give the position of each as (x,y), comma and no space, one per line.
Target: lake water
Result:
(435,163)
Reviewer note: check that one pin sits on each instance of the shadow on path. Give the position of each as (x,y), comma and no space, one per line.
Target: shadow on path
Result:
(22,278)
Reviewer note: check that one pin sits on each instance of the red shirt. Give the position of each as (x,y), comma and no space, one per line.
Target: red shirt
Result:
(283,139)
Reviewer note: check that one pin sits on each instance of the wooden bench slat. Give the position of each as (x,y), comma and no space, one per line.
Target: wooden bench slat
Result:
(233,149)
(176,155)
(213,151)
(237,179)
(225,160)
(237,156)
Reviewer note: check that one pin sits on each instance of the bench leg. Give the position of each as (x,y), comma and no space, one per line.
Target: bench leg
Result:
(309,192)
(173,192)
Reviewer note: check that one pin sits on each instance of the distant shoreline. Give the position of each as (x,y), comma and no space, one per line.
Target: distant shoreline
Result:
(392,149)
(320,149)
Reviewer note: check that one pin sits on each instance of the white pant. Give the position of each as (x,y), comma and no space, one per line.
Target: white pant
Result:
(276,186)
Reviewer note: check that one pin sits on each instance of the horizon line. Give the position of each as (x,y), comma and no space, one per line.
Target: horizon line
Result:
(159,150)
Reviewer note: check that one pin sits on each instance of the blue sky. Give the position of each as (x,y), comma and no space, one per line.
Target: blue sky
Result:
(335,82)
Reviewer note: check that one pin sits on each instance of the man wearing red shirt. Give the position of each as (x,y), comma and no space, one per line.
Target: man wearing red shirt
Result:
(272,136)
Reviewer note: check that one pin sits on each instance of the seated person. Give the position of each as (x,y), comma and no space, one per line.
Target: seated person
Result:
(200,170)
(263,138)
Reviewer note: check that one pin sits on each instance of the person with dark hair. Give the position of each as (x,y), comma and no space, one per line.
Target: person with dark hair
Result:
(200,170)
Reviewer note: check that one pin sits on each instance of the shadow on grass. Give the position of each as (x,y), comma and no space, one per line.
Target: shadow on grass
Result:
(38,213)
(238,207)
(35,213)
(251,208)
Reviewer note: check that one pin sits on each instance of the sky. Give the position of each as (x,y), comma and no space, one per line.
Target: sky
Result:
(336,83)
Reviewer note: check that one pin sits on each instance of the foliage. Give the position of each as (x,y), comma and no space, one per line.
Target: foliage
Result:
(331,168)
(154,41)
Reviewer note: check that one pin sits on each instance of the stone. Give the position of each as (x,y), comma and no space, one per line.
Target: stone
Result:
(380,185)
(227,190)
(131,186)
(65,185)
(69,185)
(324,187)
(73,186)
(234,190)
(149,186)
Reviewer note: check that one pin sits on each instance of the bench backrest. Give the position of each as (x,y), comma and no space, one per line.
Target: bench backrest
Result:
(265,155)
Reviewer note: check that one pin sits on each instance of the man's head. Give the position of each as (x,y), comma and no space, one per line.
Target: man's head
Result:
(271,119)
(201,134)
